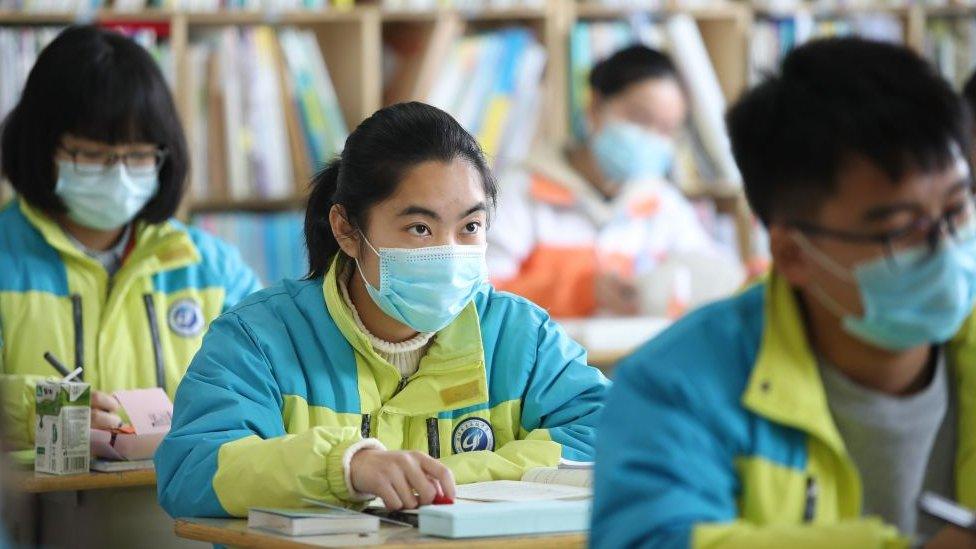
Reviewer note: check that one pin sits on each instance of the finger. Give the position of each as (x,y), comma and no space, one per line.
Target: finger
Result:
(104,401)
(420,482)
(441,473)
(404,490)
(104,420)
(390,498)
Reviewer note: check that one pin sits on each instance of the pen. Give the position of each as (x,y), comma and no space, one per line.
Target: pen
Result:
(56,364)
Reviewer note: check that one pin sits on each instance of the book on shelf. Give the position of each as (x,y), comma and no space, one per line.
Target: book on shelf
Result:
(774,36)
(82,7)
(273,244)
(263,115)
(491,83)
(460,5)
(950,44)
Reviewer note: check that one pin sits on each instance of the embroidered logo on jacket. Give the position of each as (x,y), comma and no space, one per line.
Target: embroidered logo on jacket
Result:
(472,435)
(186,318)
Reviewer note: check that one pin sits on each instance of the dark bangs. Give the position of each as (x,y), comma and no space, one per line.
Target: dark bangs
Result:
(99,85)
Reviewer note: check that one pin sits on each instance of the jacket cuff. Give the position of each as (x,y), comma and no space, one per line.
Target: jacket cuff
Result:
(337,468)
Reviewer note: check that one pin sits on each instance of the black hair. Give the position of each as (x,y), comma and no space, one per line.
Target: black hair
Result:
(837,100)
(95,84)
(631,65)
(375,159)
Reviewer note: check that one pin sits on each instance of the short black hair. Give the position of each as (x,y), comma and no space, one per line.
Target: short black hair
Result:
(377,155)
(836,100)
(628,66)
(96,84)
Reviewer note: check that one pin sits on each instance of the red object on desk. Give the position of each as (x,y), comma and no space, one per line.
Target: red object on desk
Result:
(441,499)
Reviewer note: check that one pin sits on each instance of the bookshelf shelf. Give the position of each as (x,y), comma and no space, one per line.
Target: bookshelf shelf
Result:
(301,17)
(255,205)
(513,15)
(10,17)
(719,11)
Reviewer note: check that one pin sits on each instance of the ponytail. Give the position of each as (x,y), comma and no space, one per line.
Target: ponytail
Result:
(321,242)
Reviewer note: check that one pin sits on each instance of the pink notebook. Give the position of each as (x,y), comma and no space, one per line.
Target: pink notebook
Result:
(150,413)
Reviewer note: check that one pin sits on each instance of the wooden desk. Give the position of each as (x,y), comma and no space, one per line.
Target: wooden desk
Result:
(37,483)
(235,533)
(607,339)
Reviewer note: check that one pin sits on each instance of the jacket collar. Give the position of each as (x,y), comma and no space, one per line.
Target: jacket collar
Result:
(785,384)
(451,375)
(158,247)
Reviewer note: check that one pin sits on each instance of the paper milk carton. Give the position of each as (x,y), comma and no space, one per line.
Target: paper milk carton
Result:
(149,413)
(61,436)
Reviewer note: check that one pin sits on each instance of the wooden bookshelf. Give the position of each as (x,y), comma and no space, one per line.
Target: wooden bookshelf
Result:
(352,40)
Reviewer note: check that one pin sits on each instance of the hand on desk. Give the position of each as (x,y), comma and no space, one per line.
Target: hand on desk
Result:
(951,537)
(103,415)
(396,476)
(615,295)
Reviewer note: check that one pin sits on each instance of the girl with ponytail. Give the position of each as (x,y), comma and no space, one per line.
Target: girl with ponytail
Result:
(393,370)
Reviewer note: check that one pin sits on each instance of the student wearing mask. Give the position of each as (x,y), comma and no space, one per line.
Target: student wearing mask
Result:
(583,222)
(813,409)
(95,271)
(393,370)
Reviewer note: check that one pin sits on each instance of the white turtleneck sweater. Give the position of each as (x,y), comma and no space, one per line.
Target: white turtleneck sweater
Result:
(406,355)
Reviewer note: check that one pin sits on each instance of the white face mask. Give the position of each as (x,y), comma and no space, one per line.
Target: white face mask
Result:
(106,199)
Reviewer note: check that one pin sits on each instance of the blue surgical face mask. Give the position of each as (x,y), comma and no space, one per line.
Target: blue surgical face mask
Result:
(104,199)
(914,298)
(627,152)
(427,288)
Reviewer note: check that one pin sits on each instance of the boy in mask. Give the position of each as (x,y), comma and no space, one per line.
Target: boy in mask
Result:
(583,222)
(814,409)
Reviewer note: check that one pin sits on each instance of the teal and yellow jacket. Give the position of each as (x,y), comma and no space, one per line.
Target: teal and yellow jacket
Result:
(718,434)
(137,329)
(285,383)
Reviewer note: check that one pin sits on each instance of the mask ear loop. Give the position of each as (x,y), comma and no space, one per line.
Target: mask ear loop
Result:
(830,266)
(359,265)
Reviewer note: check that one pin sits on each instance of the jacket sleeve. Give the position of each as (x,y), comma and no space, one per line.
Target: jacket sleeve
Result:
(664,479)
(228,451)
(17,403)
(560,405)
(240,280)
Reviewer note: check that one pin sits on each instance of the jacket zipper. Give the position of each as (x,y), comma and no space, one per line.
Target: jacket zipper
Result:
(157,346)
(433,438)
(76,315)
(810,505)
(400,386)
(364,427)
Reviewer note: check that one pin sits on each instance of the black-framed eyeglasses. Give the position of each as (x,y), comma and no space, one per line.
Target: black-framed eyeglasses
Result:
(956,223)
(99,162)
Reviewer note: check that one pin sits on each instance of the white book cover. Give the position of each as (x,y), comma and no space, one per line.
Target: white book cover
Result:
(270,157)
(707,101)
(197,56)
(238,179)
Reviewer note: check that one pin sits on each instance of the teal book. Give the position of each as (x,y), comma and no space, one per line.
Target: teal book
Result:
(470,520)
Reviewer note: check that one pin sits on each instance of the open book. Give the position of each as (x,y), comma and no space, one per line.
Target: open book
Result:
(541,483)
